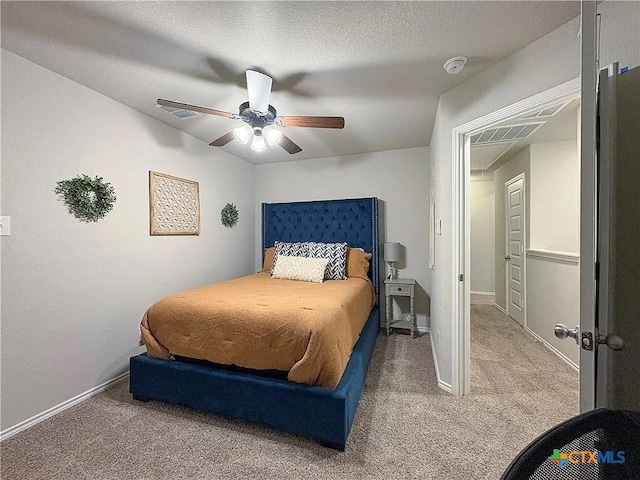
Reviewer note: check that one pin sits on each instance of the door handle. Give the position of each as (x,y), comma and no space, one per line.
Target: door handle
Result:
(613,341)
(562,331)
(507,257)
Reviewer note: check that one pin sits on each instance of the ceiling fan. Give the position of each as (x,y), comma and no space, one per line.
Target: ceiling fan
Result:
(259,118)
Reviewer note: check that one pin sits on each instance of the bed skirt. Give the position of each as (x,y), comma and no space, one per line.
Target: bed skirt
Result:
(321,413)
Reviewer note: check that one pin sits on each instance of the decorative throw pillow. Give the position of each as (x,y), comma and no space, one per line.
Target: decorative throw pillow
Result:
(337,255)
(296,249)
(358,263)
(269,254)
(300,268)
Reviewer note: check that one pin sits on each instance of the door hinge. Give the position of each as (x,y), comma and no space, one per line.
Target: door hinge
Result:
(462,277)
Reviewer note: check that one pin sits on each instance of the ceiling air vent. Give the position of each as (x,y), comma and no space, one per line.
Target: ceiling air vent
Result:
(505,134)
(547,112)
(179,112)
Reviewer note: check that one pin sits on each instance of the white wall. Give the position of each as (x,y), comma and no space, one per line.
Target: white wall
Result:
(546,63)
(553,296)
(555,196)
(73,293)
(553,287)
(399,177)
(483,235)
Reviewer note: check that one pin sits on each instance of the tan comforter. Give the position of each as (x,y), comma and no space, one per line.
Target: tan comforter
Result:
(307,329)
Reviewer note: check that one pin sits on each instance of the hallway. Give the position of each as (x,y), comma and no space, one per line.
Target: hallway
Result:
(507,360)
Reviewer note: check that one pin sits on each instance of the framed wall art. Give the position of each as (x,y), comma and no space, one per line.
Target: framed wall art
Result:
(174,205)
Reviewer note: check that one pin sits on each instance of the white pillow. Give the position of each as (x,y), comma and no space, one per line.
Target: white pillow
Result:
(306,269)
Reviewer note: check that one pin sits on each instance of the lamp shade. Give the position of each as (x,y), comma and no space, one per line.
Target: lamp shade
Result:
(392,252)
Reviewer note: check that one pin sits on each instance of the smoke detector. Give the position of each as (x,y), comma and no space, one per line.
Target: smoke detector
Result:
(454,65)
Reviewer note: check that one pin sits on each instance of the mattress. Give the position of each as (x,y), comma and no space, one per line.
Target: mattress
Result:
(306,329)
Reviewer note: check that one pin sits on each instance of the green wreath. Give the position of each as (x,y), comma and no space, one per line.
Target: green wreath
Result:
(229,215)
(88,199)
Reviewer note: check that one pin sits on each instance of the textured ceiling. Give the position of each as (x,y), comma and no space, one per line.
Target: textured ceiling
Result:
(378,64)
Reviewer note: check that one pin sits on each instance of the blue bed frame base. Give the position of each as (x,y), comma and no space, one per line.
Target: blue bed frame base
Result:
(321,413)
(316,412)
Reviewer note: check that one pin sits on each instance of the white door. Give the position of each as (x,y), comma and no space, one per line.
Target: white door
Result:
(514,198)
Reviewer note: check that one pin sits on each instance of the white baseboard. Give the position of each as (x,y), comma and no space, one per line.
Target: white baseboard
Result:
(30,422)
(562,356)
(500,308)
(482,293)
(443,385)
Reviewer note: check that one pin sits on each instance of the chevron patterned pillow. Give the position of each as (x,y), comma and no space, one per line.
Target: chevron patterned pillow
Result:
(300,268)
(337,255)
(296,249)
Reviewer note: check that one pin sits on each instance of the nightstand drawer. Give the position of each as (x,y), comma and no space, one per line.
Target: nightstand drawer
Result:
(399,289)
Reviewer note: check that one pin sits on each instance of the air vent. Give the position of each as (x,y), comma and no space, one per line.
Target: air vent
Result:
(179,112)
(546,112)
(505,134)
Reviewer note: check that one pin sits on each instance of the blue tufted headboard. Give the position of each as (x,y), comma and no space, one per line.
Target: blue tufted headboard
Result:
(356,221)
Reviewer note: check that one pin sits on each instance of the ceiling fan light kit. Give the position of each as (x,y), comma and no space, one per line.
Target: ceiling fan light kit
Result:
(454,65)
(259,117)
(258,144)
(243,134)
(272,135)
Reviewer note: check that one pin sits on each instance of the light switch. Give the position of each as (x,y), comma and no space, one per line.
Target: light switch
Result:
(439,226)
(5,226)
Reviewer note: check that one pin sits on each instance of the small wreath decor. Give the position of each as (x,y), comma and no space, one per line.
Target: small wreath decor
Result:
(229,215)
(88,199)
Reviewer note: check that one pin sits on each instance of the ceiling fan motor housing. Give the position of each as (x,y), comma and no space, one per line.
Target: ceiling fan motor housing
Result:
(257,119)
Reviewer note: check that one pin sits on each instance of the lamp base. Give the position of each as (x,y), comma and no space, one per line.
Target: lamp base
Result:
(394,272)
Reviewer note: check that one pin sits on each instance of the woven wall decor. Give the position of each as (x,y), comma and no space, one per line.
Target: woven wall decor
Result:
(174,205)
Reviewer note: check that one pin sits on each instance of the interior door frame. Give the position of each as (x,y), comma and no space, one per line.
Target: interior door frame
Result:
(461,225)
(589,69)
(521,176)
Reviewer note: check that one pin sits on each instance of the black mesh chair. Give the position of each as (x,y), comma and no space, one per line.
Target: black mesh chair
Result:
(602,430)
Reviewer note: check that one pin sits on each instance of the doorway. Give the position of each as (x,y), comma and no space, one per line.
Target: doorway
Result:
(463,137)
(524,193)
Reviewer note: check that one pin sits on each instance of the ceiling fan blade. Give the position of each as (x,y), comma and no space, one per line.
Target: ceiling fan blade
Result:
(313,122)
(259,88)
(195,108)
(223,140)
(289,145)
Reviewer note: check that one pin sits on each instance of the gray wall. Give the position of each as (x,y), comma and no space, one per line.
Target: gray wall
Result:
(546,63)
(483,200)
(399,177)
(73,293)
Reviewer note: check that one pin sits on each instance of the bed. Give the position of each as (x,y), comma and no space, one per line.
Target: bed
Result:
(319,412)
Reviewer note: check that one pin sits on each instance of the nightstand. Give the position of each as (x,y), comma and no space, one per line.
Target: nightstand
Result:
(401,287)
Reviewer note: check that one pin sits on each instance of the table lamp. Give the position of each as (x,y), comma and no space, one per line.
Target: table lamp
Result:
(392,254)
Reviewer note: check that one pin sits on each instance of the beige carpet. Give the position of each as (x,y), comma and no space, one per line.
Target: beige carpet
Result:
(406,427)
